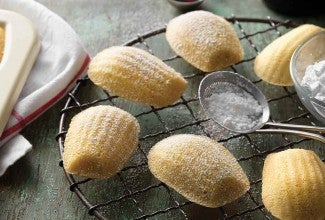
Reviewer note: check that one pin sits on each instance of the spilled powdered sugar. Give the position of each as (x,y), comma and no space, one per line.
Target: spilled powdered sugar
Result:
(234,108)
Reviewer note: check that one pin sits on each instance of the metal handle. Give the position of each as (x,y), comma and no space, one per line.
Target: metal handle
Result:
(297,127)
(299,133)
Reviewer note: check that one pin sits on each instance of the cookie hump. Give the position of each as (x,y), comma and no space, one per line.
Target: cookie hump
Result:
(205,40)
(198,168)
(136,75)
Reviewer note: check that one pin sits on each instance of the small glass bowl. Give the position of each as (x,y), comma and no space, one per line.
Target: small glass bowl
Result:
(309,52)
(185,5)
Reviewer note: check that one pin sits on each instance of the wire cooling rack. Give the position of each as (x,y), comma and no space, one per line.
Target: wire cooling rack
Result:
(134,193)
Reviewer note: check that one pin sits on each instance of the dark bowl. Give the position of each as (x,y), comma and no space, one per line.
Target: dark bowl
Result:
(296,7)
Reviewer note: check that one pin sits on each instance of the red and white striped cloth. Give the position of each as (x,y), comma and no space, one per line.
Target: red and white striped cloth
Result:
(61,61)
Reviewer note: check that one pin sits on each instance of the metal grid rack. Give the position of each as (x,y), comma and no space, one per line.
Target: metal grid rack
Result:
(250,206)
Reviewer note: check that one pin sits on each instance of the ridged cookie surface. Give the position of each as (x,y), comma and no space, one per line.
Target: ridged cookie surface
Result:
(205,40)
(294,185)
(199,168)
(272,64)
(136,75)
(99,141)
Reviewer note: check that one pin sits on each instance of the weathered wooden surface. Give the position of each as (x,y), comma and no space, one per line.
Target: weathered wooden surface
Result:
(35,187)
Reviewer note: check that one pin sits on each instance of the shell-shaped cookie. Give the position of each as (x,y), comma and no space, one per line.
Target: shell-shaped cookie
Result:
(199,168)
(99,141)
(294,185)
(136,75)
(272,64)
(205,40)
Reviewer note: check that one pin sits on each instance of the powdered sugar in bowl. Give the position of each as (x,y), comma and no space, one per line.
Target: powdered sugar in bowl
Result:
(307,68)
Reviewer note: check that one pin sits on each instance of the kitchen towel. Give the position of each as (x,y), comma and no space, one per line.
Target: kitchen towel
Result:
(61,61)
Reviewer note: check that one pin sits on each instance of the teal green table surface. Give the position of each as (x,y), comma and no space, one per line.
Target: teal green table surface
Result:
(35,187)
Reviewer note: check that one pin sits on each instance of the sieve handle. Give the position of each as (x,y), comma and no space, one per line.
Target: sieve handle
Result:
(317,137)
(297,127)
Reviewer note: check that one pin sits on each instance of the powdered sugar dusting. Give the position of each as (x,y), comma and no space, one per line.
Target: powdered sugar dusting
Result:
(234,108)
(199,168)
(205,40)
